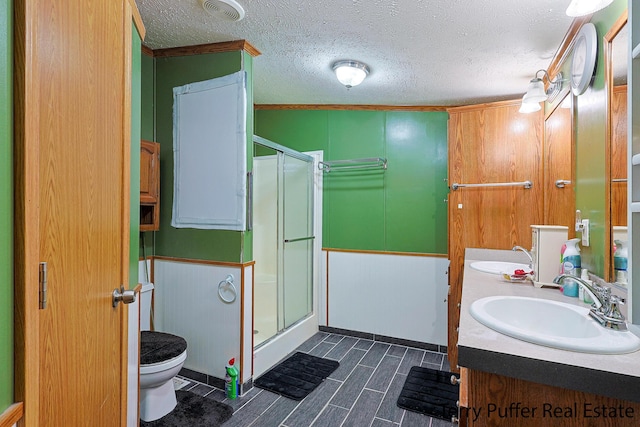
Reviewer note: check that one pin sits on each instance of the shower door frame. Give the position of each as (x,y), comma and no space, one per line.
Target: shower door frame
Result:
(284,341)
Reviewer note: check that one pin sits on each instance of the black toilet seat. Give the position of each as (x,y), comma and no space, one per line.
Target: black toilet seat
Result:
(157,347)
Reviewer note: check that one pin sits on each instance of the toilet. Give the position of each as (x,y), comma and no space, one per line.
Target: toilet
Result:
(161,358)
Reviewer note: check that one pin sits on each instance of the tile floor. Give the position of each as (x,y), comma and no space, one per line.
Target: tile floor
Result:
(362,392)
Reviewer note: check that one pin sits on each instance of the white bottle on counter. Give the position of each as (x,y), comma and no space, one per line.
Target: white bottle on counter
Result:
(582,295)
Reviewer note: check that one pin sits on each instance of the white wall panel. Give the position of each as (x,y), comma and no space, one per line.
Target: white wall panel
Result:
(133,361)
(247,322)
(144,271)
(386,294)
(187,304)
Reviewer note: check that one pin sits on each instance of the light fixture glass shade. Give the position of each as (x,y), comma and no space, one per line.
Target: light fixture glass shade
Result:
(535,92)
(586,7)
(529,107)
(350,73)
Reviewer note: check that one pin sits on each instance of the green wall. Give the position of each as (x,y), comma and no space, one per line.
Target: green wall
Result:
(590,121)
(147,93)
(219,245)
(401,209)
(147,131)
(6,207)
(136,68)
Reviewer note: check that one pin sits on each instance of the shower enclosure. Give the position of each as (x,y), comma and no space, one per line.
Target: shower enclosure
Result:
(283,238)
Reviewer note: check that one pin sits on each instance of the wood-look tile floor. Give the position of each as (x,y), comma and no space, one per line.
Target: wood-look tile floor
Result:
(362,392)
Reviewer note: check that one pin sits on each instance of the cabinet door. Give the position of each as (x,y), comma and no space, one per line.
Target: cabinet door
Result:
(149,172)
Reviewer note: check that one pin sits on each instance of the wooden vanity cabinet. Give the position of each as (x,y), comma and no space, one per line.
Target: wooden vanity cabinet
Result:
(149,186)
(496,400)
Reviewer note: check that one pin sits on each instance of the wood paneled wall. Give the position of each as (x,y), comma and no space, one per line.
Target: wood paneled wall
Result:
(619,156)
(559,155)
(491,143)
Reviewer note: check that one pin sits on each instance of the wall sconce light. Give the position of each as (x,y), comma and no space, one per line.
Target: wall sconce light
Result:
(529,107)
(536,92)
(586,7)
(350,73)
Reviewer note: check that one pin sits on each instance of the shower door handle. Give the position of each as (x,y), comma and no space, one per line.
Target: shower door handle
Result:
(300,239)
(249,201)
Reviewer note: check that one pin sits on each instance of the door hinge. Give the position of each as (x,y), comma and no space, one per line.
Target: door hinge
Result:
(42,281)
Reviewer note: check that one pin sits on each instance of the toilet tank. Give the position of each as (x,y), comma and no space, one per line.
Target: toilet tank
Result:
(145,306)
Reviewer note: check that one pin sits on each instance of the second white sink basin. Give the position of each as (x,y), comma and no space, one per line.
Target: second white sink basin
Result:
(497,267)
(552,324)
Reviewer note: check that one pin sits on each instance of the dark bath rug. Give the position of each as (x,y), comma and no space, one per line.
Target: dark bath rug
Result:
(429,392)
(193,411)
(297,376)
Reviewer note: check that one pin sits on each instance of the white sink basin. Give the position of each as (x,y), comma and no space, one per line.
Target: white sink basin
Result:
(552,324)
(497,267)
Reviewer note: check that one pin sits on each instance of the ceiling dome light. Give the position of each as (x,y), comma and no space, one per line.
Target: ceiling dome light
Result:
(350,73)
(586,7)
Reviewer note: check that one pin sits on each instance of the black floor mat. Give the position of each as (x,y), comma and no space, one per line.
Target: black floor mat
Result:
(297,376)
(193,411)
(429,392)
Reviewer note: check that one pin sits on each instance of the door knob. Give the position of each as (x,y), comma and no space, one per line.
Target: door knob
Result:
(120,295)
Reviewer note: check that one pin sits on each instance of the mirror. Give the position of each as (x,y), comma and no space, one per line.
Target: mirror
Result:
(559,165)
(616,59)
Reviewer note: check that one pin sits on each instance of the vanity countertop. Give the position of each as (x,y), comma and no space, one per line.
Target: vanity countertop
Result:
(484,349)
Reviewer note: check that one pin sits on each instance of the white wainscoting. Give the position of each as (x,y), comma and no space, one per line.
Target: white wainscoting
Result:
(247,324)
(187,304)
(133,361)
(400,296)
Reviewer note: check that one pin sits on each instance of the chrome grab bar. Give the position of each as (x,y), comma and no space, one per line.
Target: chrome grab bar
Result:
(525,184)
(560,183)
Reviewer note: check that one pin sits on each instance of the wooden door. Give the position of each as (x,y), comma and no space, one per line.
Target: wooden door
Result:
(559,154)
(72,165)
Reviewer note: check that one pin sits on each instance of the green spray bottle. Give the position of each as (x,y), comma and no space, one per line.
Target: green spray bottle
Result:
(231,380)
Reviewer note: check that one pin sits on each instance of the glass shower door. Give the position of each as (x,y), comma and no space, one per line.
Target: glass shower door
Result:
(283,240)
(296,251)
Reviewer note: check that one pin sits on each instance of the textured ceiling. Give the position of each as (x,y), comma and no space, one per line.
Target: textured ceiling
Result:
(421,52)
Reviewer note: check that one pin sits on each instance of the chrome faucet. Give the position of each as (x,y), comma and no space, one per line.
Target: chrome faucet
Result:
(527,253)
(605,308)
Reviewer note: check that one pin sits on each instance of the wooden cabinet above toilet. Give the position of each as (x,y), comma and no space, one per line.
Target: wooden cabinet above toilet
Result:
(149,186)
